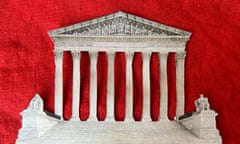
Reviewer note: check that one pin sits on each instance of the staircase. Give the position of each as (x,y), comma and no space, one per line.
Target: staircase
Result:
(162,132)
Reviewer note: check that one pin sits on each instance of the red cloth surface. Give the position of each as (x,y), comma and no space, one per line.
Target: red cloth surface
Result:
(27,60)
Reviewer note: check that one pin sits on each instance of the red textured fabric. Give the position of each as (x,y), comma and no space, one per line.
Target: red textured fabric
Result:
(27,60)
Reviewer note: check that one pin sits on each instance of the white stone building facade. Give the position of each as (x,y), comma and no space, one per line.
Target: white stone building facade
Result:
(122,32)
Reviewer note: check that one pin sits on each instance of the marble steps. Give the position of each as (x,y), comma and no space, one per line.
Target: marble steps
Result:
(93,132)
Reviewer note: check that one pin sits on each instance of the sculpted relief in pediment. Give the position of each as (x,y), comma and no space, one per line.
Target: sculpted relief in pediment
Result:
(119,26)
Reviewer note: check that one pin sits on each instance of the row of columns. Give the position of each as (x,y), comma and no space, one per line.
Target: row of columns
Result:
(146,116)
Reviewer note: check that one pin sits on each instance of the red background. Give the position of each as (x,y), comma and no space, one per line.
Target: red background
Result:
(27,60)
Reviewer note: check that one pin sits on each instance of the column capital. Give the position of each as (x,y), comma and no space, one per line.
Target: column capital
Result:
(129,55)
(164,53)
(58,53)
(110,52)
(75,54)
(93,54)
(180,55)
(111,55)
(146,54)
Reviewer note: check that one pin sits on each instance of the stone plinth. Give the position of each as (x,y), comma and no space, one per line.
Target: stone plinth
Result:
(202,124)
(127,132)
(35,122)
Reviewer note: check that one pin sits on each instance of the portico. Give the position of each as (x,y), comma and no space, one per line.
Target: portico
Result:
(120,32)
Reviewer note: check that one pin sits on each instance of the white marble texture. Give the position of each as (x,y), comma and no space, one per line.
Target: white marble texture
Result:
(202,122)
(93,85)
(180,63)
(163,86)
(58,97)
(120,32)
(146,115)
(129,87)
(35,122)
(76,86)
(164,132)
(110,87)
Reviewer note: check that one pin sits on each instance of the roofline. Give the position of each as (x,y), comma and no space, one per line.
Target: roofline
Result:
(118,36)
(118,14)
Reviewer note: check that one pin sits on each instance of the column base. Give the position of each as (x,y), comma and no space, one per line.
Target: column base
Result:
(146,119)
(92,118)
(111,119)
(130,119)
(164,119)
(75,119)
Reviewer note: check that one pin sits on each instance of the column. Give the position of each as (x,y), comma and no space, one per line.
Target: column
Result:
(93,85)
(129,86)
(146,115)
(76,85)
(58,98)
(110,86)
(180,60)
(163,86)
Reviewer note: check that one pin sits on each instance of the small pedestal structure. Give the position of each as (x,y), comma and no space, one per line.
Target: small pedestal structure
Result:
(35,121)
(123,32)
(202,122)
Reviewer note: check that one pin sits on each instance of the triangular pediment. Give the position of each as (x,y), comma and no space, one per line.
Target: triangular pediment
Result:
(120,24)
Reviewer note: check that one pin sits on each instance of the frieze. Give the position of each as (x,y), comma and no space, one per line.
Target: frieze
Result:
(137,45)
(119,26)
(121,39)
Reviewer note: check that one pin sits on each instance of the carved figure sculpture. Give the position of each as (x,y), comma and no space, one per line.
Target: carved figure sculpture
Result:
(36,103)
(202,103)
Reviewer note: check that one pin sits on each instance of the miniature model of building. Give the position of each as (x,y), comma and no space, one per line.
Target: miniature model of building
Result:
(119,32)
